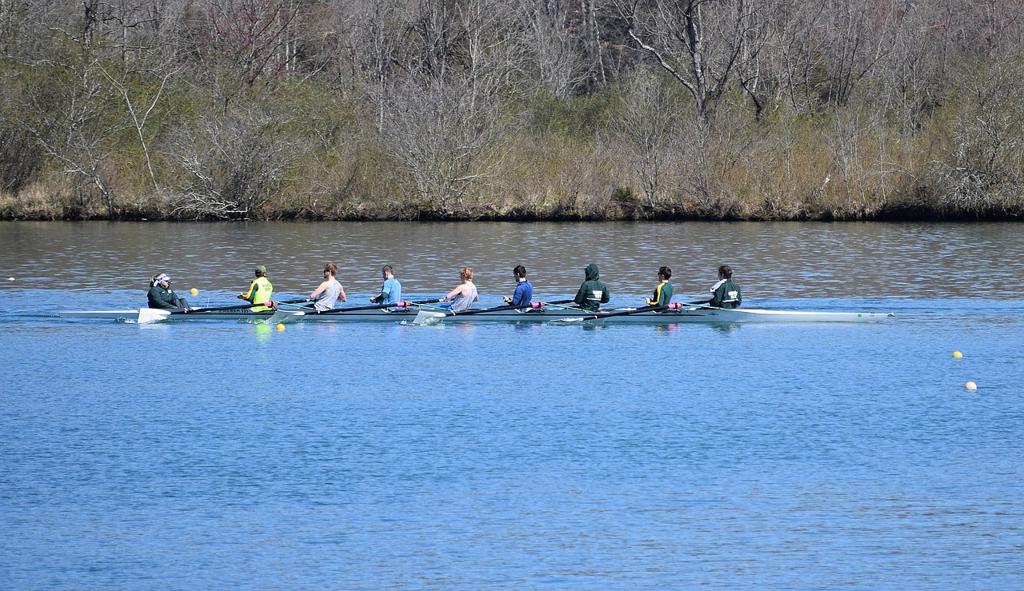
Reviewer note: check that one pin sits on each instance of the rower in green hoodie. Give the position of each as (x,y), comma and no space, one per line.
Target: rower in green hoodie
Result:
(725,293)
(592,292)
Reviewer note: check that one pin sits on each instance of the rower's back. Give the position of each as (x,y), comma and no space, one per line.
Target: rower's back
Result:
(462,300)
(592,292)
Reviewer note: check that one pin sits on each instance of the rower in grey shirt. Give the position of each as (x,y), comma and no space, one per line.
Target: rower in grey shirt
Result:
(328,292)
(465,293)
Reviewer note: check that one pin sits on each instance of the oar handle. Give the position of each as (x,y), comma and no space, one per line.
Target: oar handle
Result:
(494,309)
(236,307)
(557,302)
(541,304)
(696,304)
(406,304)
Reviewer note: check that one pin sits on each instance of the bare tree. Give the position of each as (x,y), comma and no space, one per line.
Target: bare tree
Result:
(702,44)
(444,136)
(70,111)
(240,42)
(554,46)
(233,164)
(984,174)
(593,43)
(443,122)
(140,106)
(377,39)
(150,61)
(644,129)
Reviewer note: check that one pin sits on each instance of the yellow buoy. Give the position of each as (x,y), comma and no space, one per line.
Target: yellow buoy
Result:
(279,327)
(971,386)
(194,291)
(957,355)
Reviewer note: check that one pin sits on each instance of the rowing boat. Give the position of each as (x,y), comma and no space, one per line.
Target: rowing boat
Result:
(695,314)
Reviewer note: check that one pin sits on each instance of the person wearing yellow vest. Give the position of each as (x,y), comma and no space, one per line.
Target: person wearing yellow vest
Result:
(260,290)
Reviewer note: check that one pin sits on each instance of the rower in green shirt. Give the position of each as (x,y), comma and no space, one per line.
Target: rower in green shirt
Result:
(592,292)
(663,291)
(725,293)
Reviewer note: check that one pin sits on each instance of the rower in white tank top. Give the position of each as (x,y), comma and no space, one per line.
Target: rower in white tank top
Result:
(329,292)
(461,301)
(329,297)
(465,294)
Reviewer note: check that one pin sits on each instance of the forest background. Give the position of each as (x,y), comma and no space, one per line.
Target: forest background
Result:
(512,109)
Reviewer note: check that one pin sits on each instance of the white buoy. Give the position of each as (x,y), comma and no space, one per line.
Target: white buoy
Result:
(10,278)
(970,386)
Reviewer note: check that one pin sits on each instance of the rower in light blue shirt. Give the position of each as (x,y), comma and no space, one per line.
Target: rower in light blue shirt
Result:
(522,297)
(391,290)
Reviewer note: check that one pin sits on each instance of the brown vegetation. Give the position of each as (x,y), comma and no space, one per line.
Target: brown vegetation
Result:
(511,109)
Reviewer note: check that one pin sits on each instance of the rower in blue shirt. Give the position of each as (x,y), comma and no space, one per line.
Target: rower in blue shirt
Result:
(523,295)
(391,290)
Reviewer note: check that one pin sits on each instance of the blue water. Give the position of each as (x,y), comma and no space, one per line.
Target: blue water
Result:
(231,456)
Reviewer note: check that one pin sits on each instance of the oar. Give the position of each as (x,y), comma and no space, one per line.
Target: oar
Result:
(530,306)
(426,317)
(151,315)
(285,316)
(303,305)
(402,304)
(282,316)
(433,317)
(235,307)
(562,304)
(288,312)
(557,302)
(613,314)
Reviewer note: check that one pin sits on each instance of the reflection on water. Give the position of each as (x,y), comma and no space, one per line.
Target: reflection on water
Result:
(262,332)
(806,260)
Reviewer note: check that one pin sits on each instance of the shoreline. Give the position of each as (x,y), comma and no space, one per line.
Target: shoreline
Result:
(15,209)
(889,218)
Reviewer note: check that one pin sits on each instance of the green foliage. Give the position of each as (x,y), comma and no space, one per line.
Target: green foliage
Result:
(581,117)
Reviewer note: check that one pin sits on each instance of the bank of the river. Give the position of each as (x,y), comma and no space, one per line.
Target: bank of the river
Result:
(619,206)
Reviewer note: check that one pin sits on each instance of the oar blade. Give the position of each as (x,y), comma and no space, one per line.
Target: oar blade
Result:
(285,317)
(428,317)
(152,315)
(571,320)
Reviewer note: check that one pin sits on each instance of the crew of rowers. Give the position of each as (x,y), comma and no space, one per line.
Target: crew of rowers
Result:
(591,294)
